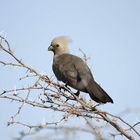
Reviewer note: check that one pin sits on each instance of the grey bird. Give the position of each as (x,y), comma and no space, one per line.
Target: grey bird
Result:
(74,72)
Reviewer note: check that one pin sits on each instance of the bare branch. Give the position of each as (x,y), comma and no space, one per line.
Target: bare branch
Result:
(52,97)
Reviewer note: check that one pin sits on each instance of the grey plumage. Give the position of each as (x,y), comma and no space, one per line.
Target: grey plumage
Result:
(73,71)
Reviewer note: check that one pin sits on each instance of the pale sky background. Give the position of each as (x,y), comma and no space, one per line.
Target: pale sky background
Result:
(106,30)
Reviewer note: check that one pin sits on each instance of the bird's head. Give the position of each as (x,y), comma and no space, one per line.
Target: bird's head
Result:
(59,45)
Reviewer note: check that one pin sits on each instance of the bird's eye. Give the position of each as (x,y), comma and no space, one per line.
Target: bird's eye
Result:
(57,45)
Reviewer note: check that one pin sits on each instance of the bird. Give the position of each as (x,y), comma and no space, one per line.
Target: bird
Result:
(74,72)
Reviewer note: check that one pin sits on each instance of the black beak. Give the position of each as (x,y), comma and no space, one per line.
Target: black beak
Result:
(50,48)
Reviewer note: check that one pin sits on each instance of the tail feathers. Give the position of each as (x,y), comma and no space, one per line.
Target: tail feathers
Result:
(97,93)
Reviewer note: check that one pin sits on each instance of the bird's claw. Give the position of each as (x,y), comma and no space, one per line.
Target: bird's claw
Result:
(94,107)
(66,100)
(64,87)
(77,93)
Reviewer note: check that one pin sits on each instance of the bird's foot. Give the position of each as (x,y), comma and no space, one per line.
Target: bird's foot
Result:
(94,107)
(77,93)
(66,100)
(70,98)
(64,87)
(67,87)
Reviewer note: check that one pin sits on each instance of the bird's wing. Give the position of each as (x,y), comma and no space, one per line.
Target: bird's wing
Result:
(71,70)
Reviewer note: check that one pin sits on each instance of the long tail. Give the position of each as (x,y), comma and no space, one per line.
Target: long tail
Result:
(97,93)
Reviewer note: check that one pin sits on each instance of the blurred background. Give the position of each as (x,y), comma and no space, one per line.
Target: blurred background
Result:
(107,31)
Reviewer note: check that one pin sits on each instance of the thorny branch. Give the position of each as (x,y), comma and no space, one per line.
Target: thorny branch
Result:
(52,97)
